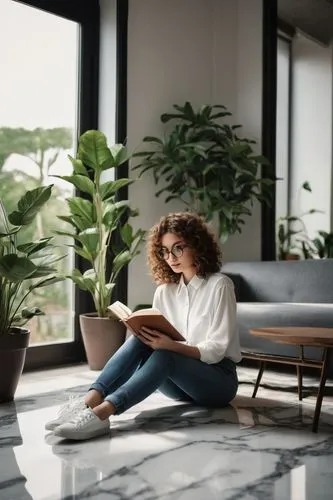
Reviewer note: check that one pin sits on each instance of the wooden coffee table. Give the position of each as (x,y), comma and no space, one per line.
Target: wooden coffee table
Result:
(301,337)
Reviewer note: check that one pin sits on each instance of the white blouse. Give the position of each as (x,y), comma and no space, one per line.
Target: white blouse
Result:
(204,312)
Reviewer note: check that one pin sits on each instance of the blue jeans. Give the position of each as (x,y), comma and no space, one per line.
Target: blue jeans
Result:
(135,371)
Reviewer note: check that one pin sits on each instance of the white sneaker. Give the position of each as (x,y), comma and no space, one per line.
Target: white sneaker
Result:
(69,410)
(85,425)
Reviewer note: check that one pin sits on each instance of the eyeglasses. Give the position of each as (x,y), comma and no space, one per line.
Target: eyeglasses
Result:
(176,250)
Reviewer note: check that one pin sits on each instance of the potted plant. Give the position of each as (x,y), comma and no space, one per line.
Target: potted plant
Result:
(204,163)
(96,219)
(286,250)
(24,266)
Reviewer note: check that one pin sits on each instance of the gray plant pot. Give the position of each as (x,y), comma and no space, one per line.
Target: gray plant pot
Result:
(102,337)
(13,348)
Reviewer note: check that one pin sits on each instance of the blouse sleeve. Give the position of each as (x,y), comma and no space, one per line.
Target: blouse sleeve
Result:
(222,328)
(156,299)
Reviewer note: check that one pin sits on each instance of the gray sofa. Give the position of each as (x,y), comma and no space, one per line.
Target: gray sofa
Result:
(282,293)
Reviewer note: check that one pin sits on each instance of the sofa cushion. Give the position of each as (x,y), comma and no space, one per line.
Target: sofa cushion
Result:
(309,281)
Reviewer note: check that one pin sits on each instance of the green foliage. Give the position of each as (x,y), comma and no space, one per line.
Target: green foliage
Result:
(206,165)
(32,261)
(293,238)
(285,246)
(34,144)
(42,147)
(324,245)
(95,218)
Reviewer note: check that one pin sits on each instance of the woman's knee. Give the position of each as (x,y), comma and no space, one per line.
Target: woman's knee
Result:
(133,342)
(132,339)
(131,346)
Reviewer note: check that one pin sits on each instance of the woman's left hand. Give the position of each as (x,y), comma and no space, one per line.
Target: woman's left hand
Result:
(155,339)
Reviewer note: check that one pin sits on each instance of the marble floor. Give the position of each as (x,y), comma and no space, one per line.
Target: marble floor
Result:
(261,449)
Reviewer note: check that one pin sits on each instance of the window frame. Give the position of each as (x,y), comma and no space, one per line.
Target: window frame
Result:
(268,137)
(273,27)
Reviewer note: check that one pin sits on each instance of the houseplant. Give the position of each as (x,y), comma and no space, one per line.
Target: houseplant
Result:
(24,266)
(96,219)
(320,247)
(293,241)
(323,244)
(203,162)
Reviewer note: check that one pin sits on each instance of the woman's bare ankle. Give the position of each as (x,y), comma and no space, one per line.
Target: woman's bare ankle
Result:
(104,410)
(93,398)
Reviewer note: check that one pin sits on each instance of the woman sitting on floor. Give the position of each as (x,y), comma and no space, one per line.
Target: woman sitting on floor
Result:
(185,261)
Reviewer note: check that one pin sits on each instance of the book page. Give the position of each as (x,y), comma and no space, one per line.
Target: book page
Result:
(145,312)
(120,310)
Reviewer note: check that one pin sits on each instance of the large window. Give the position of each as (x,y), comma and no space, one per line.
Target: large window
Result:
(38,127)
(49,62)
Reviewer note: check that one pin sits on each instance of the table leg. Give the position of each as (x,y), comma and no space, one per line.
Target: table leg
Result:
(321,389)
(261,371)
(300,381)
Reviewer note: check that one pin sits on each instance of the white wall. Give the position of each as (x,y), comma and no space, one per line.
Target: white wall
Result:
(311,139)
(169,61)
(204,51)
(238,29)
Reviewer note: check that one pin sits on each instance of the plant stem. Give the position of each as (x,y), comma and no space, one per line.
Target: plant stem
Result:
(100,260)
(12,316)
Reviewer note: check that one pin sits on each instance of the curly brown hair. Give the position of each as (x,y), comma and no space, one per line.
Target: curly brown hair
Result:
(196,234)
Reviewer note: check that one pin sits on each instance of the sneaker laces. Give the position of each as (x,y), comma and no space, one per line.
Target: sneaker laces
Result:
(68,407)
(83,418)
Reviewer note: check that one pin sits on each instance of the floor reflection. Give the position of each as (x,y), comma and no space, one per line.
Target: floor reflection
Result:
(11,479)
(256,438)
(254,449)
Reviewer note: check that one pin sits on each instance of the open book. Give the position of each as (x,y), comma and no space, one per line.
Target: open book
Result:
(151,318)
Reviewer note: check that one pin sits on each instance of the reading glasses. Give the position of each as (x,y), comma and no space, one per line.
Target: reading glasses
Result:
(177,251)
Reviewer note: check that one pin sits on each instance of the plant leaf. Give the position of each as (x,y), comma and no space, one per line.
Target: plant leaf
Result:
(306,186)
(78,166)
(83,209)
(46,282)
(82,183)
(30,312)
(29,205)
(109,188)
(93,150)
(35,246)
(16,268)
(90,240)
(126,233)
(120,154)
(121,260)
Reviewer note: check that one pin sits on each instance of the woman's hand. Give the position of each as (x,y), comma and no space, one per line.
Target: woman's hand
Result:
(155,339)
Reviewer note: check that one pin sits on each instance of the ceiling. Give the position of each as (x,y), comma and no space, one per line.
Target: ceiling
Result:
(313,17)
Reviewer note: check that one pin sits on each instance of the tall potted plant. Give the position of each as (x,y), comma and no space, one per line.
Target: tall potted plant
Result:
(24,266)
(96,219)
(205,163)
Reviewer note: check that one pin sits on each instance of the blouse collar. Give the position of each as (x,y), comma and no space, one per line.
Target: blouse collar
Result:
(195,282)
